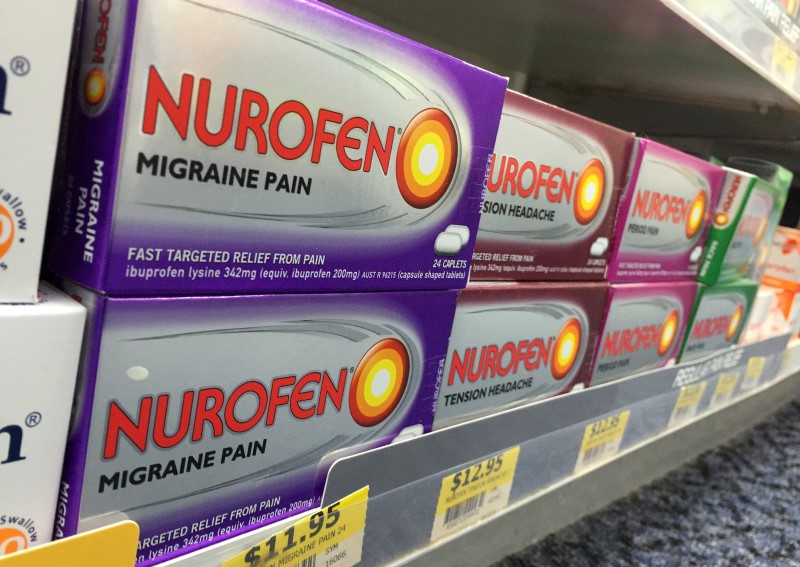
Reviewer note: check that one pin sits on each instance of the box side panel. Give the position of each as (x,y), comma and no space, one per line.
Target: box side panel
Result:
(72,477)
(82,207)
(34,56)
(40,346)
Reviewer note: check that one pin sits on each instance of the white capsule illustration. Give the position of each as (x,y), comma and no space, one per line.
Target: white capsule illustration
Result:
(447,244)
(138,373)
(461,230)
(599,247)
(695,255)
(410,432)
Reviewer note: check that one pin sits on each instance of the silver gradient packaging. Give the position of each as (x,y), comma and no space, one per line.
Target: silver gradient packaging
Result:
(203,417)
(518,342)
(301,150)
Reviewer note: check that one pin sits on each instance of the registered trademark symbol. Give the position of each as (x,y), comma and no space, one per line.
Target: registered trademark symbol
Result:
(399,130)
(33,419)
(20,66)
(351,369)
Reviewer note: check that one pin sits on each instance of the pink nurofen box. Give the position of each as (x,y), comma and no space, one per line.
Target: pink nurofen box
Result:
(664,215)
(552,193)
(518,342)
(643,328)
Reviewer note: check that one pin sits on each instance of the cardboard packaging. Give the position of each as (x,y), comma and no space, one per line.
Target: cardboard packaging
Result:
(203,417)
(663,215)
(720,314)
(40,346)
(514,343)
(34,54)
(642,329)
(341,158)
(782,269)
(552,193)
(745,220)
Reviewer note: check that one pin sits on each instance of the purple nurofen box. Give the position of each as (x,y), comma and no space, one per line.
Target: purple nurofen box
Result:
(302,150)
(643,327)
(552,194)
(203,417)
(664,215)
(514,343)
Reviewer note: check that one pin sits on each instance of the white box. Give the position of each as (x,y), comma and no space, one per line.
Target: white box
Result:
(35,39)
(39,349)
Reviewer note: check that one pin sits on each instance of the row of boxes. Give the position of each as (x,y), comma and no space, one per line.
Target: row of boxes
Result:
(225,180)
(283,198)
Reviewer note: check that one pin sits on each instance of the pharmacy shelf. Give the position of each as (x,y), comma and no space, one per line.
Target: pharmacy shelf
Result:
(545,492)
(671,70)
(562,503)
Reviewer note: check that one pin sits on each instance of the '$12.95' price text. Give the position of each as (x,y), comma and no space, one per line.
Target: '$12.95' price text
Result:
(275,546)
(477,472)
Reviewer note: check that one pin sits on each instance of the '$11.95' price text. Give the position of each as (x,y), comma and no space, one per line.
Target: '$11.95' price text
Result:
(287,540)
(477,472)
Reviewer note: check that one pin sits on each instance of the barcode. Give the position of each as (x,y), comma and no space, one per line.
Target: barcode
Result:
(463,508)
(309,562)
(595,452)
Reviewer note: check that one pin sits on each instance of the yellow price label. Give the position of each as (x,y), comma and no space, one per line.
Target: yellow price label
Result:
(111,546)
(784,61)
(755,367)
(474,492)
(602,439)
(687,403)
(331,536)
(726,384)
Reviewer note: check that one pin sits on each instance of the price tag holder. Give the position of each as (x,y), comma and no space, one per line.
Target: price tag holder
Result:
(784,62)
(332,536)
(726,385)
(687,404)
(474,493)
(755,367)
(601,440)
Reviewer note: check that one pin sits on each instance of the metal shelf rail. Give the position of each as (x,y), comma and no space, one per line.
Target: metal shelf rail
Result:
(646,425)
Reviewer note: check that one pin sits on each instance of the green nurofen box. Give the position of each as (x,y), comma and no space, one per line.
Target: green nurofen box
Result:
(719,315)
(748,212)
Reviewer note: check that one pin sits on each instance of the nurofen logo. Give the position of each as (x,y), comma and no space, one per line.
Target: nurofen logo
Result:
(655,206)
(735,322)
(427,151)
(723,215)
(559,353)
(378,384)
(95,85)
(666,337)
(584,190)
(644,337)
(725,325)
(640,332)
